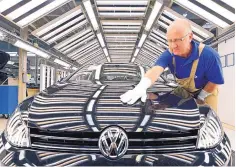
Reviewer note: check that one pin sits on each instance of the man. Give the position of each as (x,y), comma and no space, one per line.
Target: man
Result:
(196,67)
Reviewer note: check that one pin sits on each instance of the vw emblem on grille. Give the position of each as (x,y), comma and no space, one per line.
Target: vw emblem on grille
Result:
(113,142)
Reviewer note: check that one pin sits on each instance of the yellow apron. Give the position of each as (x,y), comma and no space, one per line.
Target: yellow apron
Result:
(187,87)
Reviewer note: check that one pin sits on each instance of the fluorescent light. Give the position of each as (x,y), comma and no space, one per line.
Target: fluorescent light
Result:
(100,38)
(120,27)
(133,60)
(66,67)
(30,48)
(67,31)
(77,43)
(162,24)
(72,38)
(90,12)
(142,40)
(63,27)
(59,21)
(121,45)
(105,51)
(195,29)
(10,62)
(120,30)
(6,4)
(120,51)
(203,13)
(128,8)
(41,12)
(159,33)
(153,15)
(120,14)
(109,59)
(117,48)
(119,2)
(122,22)
(122,35)
(82,48)
(24,9)
(136,52)
(58,61)
(86,50)
(229,2)
(218,9)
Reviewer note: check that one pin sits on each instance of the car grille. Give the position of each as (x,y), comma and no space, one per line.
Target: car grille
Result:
(139,142)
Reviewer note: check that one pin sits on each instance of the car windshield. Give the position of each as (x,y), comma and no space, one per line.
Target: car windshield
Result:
(110,72)
(115,72)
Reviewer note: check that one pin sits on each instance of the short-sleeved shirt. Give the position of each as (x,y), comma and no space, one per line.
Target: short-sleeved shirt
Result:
(209,65)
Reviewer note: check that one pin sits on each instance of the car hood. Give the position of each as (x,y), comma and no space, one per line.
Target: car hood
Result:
(91,107)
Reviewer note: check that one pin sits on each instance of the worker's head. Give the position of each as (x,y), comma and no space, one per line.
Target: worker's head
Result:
(179,36)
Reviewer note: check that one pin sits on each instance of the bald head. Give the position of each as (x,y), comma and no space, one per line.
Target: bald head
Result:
(180,25)
(179,36)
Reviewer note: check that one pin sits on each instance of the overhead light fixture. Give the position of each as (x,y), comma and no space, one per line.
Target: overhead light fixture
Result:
(136,52)
(67,31)
(109,59)
(58,21)
(199,30)
(122,14)
(153,15)
(41,12)
(74,68)
(122,22)
(64,27)
(100,38)
(119,2)
(77,43)
(218,9)
(200,11)
(117,30)
(6,4)
(114,8)
(23,9)
(58,61)
(105,51)
(72,38)
(229,2)
(90,12)
(133,60)
(144,36)
(30,48)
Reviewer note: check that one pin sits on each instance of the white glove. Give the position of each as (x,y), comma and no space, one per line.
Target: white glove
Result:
(140,91)
(203,94)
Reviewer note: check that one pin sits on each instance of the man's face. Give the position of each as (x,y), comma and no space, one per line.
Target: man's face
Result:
(179,41)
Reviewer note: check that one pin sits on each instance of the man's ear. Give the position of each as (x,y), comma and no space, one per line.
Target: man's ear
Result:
(191,36)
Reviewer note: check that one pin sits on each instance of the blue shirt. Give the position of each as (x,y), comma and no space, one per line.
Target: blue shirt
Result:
(209,65)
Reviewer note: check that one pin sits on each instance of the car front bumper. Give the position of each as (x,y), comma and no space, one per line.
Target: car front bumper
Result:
(10,156)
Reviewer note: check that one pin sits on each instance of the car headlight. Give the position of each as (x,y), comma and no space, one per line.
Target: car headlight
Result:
(211,132)
(17,132)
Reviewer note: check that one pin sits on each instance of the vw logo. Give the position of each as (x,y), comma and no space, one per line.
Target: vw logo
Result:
(113,142)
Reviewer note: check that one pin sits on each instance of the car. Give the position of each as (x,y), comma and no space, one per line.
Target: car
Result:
(81,121)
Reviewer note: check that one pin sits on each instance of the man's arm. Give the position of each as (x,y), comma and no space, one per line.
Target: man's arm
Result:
(210,87)
(207,90)
(154,73)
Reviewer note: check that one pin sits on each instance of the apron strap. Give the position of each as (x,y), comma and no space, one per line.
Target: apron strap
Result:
(195,63)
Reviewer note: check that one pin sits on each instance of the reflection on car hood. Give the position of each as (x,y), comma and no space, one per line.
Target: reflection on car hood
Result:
(86,106)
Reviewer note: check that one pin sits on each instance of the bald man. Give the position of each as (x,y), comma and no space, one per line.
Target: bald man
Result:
(196,67)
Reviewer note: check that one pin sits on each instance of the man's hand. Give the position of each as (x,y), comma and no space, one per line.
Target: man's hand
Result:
(131,96)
